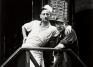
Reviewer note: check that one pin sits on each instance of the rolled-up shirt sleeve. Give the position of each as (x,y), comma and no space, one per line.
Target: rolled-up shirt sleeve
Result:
(28,26)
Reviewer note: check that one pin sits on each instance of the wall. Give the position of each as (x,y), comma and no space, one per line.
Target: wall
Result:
(84,28)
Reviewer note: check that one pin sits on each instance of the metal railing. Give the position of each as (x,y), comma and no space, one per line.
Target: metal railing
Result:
(41,49)
(19,49)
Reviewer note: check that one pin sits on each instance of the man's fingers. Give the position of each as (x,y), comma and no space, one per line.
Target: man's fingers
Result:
(60,46)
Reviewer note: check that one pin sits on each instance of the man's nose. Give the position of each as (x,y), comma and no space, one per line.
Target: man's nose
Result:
(45,15)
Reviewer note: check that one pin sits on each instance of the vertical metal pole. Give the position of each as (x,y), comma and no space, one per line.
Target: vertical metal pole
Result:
(32,9)
(4,46)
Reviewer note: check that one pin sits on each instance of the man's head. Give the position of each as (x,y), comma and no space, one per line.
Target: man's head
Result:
(45,15)
(60,26)
(47,7)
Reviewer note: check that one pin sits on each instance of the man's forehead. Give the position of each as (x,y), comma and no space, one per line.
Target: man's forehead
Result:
(45,11)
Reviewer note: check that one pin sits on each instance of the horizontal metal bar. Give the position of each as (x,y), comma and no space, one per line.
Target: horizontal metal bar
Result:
(19,49)
(42,48)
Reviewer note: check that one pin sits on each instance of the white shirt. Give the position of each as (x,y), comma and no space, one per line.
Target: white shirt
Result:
(39,35)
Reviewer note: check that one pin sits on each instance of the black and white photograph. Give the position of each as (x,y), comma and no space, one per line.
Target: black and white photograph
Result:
(46,33)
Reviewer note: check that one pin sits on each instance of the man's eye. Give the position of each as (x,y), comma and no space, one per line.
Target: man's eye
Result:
(47,14)
(43,14)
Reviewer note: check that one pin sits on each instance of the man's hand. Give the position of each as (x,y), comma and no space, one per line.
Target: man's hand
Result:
(68,30)
(60,46)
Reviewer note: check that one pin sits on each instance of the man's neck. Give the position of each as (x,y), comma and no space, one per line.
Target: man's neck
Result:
(45,23)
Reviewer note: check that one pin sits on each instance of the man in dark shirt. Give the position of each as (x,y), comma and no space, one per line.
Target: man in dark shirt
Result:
(66,41)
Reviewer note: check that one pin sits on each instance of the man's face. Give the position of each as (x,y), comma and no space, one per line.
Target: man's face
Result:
(45,15)
(60,26)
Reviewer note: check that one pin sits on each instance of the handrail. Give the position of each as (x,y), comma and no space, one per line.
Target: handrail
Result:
(41,48)
(19,49)
(77,57)
(14,54)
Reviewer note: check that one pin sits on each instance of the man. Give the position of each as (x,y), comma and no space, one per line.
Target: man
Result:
(67,30)
(39,34)
(65,41)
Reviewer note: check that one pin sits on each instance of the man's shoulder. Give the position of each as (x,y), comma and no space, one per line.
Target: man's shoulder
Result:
(36,21)
(33,21)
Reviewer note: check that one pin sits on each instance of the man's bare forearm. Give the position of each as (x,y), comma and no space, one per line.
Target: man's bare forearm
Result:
(24,32)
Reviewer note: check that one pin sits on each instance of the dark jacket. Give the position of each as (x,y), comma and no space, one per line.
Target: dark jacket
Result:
(64,58)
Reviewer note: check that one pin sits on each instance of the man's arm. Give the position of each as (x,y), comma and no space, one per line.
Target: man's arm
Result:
(24,33)
(69,39)
(68,29)
(26,28)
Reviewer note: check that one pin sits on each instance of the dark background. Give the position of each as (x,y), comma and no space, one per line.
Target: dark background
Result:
(14,13)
